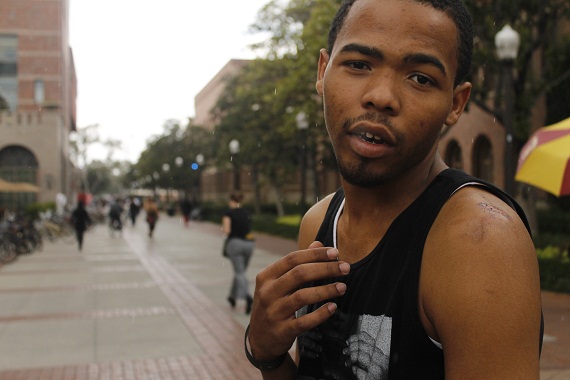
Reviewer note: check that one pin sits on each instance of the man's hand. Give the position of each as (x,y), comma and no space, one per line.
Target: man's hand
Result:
(279,293)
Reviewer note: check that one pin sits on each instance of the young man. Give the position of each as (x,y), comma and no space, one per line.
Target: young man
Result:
(411,270)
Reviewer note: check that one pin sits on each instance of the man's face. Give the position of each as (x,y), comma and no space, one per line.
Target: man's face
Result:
(388,88)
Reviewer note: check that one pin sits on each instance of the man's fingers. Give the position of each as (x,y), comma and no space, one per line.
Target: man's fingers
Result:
(302,274)
(313,295)
(312,320)
(316,244)
(315,253)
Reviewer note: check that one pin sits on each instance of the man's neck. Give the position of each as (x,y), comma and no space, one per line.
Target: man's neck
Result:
(390,198)
(369,212)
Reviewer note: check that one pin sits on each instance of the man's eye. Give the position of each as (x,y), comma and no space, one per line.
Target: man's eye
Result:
(422,79)
(358,65)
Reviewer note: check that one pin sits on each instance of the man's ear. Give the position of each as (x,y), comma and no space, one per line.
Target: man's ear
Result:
(323,61)
(460,97)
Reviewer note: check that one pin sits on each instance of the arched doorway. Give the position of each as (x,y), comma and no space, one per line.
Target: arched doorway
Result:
(483,163)
(18,164)
(453,155)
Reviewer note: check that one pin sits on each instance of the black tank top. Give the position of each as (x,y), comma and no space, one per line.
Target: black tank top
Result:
(376,332)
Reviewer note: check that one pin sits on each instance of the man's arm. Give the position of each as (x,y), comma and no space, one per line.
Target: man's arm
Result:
(480,289)
(279,293)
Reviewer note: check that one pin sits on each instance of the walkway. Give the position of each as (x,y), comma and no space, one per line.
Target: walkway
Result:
(129,307)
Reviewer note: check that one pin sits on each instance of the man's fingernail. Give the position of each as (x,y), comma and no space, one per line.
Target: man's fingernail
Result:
(344,268)
(332,307)
(341,287)
(332,253)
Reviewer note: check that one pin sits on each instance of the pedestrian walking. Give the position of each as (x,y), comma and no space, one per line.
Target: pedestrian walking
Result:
(115,217)
(186,208)
(134,209)
(151,209)
(239,245)
(81,221)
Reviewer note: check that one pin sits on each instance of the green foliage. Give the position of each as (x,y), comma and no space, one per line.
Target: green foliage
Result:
(554,253)
(33,210)
(554,275)
(260,104)
(555,221)
(554,230)
(99,178)
(272,225)
(557,61)
(539,23)
(267,222)
(290,220)
(167,160)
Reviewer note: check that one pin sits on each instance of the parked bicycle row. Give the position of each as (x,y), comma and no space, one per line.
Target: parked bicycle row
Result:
(22,235)
(18,236)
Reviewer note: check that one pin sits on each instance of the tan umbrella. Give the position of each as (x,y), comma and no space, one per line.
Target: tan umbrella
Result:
(6,186)
(26,187)
(17,187)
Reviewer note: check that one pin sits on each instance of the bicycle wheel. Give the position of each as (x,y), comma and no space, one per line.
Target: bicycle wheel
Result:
(7,252)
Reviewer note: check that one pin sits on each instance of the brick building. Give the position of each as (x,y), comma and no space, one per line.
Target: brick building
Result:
(37,99)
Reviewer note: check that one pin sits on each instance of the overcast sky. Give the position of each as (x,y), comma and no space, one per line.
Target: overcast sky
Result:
(142,62)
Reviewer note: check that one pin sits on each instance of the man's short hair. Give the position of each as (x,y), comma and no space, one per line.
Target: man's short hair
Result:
(455,9)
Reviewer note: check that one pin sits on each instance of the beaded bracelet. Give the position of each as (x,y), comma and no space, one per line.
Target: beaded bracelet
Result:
(263,366)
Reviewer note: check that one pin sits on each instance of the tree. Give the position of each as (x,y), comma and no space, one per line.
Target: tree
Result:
(167,160)
(541,67)
(299,29)
(79,145)
(248,111)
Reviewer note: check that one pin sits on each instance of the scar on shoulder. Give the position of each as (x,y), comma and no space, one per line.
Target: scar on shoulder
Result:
(494,212)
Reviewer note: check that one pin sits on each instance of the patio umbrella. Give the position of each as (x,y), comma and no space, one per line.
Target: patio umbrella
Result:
(17,187)
(544,161)
(26,187)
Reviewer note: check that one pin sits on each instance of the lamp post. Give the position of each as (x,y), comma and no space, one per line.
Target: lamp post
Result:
(507,42)
(199,162)
(166,169)
(178,174)
(302,125)
(234,150)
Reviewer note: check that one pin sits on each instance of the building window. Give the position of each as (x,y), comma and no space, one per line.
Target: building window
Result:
(39,92)
(9,71)
(483,159)
(453,155)
(18,164)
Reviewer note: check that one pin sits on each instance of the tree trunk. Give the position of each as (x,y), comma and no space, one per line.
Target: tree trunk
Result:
(257,189)
(279,198)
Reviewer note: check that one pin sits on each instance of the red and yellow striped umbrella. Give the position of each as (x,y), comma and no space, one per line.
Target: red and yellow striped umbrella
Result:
(544,161)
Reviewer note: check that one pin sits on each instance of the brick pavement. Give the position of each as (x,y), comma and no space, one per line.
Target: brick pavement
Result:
(215,329)
(173,286)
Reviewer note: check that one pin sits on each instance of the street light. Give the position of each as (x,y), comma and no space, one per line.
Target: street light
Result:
(234,150)
(507,42)
(302,125)
(199,162)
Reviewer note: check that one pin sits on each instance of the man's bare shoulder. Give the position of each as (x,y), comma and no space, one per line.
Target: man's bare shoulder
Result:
(312,221)
(479,286)
(476,224)
(478,213)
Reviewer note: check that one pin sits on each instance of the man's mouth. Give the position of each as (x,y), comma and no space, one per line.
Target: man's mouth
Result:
(370,138)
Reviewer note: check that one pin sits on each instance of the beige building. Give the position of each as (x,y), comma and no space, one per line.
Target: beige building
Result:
(208,96)
(37,99)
